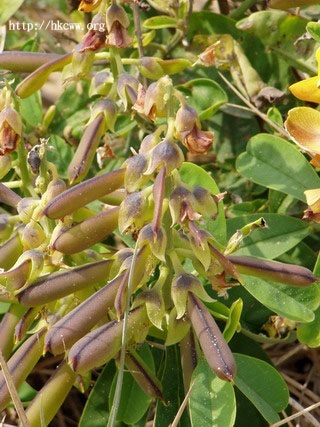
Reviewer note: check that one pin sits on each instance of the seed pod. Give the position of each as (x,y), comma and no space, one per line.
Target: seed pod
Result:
(103,343)
(49,399)
(213,344)
(37,79)
(58,285)
(293,275)
(8,197)
(86,150)
(88,232)
(7,328)
(10,252)
(84,193)
(25,62)
(64,333)
(25,322)
(21,364)
(144,376)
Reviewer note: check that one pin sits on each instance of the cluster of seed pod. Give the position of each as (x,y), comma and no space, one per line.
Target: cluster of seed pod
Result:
(76,301)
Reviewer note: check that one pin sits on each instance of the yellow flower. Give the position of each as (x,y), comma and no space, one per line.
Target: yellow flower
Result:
(308,89)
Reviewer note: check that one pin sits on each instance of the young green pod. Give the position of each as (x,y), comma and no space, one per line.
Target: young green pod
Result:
(86,149)
(49,399)
(60,284)
(8,197)
(37,79)
(88,232)
(7,328)
(213,344)
(143,375)
(84,193)
(25,62)
(103,343)
(21,364)
(64,333)
(289,274)
(10,251)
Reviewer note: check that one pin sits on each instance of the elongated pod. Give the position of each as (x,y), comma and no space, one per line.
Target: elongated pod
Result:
(25,62)
(213,344)
(58,285)
(88,232)
(84,193)
(144,376)
(86,149)
(50,398)
(7,327)
(21,364)
(73,326)
(294,275)
(102,344)
(37,78)
(10,251)
(8,197)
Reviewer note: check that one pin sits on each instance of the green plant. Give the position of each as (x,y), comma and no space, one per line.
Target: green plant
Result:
(119,251)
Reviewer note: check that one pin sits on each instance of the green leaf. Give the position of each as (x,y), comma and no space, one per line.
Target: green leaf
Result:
(205,95)
(8,8)
(31,109)
(313,28)
(262,385)
(61,155)
(161,21)
(134,402)
(96,411)
(173,391)
(195,175)
(287,301)
(212,401)
(275,163)
(309,333)
(282,234)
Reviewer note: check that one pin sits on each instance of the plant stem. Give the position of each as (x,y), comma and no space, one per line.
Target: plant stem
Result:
(244,6)
(25,176)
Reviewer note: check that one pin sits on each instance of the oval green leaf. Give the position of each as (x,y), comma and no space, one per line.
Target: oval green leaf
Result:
(205,95)
(212,401)
(282,234)
(287,301)
(309,333)
(275,163)
(162,21)
(262,385)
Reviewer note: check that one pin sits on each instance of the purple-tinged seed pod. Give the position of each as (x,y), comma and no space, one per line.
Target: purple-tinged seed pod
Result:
(57,285)
(79,321)
(82,194)
(21,364)
(88,232)
(8,197)
(213,344)
(102,344)
(289,274)
(7,327)
(143,375)
(25,62)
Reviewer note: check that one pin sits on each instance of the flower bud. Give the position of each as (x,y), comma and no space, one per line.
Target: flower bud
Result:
(127,87)
(133,212)
(26,207)
(108,109)
(95,38)
(117,23)
(207,204)
(168,153)
(149,142)
(177,328)
(32,235)
(182,284)
(156,98)
(186,119)
(81,64)
(101,83)
(10,130)
(154,302)
(134,175)
(156,241)
(150,68)
(183,205)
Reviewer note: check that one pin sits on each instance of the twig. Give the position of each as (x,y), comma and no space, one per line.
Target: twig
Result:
(13,392)
(302,412)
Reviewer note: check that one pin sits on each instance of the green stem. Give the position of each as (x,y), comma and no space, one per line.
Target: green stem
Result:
(24,173)
(240,11)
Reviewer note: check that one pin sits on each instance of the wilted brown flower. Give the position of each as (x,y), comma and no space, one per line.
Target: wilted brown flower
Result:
(95,38)
(10,130)
(117,23)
